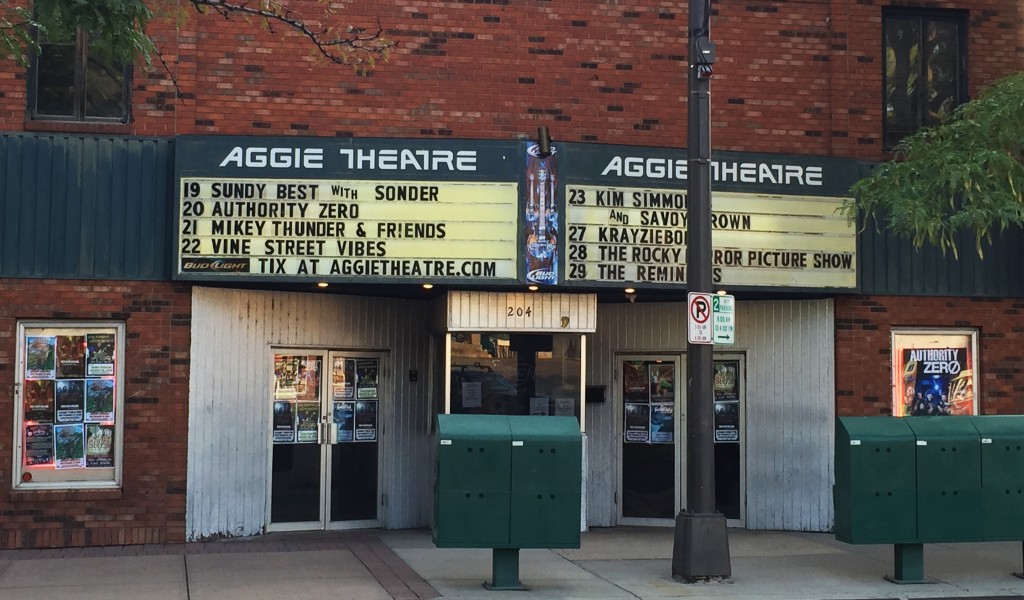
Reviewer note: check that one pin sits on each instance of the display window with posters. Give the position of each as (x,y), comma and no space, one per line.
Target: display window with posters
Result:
(934,372)
(68,407)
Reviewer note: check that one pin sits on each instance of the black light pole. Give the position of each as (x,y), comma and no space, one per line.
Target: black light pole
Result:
(701,548)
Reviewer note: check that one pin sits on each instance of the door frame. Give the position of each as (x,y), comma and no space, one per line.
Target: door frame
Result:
(679,422)
(741,357)
(385,395)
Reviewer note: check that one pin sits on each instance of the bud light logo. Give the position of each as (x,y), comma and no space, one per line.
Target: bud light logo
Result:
(534,150)
(545,276)
(215,265)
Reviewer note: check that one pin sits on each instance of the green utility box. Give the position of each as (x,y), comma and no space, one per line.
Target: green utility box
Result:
(1002,476)
(473,488)
(507,482)
(875,495)
(948,479)
(547,465)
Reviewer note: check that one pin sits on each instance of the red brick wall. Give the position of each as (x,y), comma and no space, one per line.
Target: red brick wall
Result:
(150,506)
(863,328)
(794,77)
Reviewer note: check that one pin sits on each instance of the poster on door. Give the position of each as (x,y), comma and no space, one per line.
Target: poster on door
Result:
(366,421)
(726,388)
(307,422)
(308,378)
(663,383)
(662,423)
(345,419)
(366,379)
(284,422)
(636,384)
(638,423)
(343,377)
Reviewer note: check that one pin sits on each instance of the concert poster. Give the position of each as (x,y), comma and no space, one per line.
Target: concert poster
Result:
(308,420)
(41,357)
(70,356)
(284,422)
(343,377)
(99,400)
(99,446)
(70,445)
(38,445)
(345,419)
(366,421)
(366,379)
(39,401)
(99,354)
(70,400)
(638,422)
(662,423)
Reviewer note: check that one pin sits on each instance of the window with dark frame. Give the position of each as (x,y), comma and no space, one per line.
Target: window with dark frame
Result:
(69,82)
(925,76)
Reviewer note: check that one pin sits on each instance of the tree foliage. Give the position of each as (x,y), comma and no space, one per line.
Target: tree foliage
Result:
(966,174)
(118,28)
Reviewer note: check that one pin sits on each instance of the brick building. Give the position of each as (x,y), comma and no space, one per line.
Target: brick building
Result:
(216,434)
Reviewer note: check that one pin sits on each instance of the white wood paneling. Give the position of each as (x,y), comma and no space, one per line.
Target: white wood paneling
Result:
(233,332)
(790,411)
(512,311)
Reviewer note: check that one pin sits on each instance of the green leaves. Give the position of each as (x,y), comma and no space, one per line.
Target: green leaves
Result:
(117,28)
(966,174)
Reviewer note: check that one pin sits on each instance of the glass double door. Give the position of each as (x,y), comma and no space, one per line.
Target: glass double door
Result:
(652,392)
(325,433)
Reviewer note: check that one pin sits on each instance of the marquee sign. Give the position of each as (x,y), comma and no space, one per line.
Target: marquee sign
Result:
(485,213)
(387,211)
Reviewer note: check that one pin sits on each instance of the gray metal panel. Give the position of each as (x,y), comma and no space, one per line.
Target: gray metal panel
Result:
(84,207)
(890,265)
(790,362)
(229,398)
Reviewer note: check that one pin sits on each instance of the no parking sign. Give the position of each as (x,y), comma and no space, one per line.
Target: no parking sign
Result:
(698,317)
(711,318)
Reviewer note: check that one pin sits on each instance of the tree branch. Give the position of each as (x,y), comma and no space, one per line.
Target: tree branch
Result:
(362,51)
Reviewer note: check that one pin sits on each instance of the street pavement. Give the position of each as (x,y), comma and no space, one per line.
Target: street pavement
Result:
(622,563)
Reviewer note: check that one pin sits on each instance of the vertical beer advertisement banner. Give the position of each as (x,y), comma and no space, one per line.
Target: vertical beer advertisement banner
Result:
(934,373)
(540,221)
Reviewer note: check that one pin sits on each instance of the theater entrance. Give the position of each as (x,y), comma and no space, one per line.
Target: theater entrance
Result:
(326,408)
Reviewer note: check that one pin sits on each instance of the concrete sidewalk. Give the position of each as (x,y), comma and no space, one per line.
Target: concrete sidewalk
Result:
(622,563)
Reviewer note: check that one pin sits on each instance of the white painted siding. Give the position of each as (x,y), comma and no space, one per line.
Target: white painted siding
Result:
(229,398)
(790,404)
(488,311)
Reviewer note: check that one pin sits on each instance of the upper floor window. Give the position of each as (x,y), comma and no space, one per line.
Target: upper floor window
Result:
(69,82)
(925,75)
